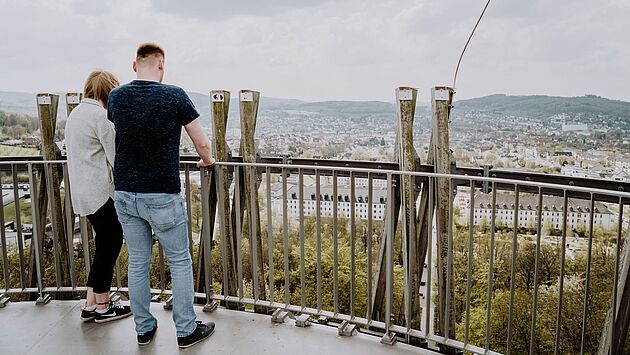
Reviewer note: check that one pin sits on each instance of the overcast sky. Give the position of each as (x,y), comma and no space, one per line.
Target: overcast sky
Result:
(325,50)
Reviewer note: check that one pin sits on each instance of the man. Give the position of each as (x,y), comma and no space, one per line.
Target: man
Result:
(148,117)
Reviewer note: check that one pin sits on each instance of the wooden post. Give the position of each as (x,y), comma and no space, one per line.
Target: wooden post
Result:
(406,107)
(220,102)
(47,110)
(441,101)
(72,100)
(249,101)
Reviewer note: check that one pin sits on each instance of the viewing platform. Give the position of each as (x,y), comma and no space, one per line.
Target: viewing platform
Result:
(55,328)
(381,257)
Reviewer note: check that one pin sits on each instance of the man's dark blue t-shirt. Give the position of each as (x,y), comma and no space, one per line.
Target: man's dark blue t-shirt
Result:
(148,117)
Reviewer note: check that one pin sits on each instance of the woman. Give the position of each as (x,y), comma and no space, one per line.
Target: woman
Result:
(90,148)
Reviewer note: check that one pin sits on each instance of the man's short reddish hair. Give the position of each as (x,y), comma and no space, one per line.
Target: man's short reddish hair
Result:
(148,49)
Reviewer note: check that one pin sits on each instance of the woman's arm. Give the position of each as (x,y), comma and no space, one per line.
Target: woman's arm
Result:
(107,137)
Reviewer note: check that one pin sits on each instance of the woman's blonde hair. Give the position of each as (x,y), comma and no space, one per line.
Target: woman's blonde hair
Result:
(98,85)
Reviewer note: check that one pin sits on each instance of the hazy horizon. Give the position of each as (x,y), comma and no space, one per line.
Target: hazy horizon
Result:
(423,102)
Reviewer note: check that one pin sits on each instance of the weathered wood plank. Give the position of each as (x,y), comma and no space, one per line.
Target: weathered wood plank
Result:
(441,101)
(72,101)
(406,106)
(249,102)
(220,102)
(47,105)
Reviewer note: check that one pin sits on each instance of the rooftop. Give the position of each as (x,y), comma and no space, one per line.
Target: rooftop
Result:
(530,202)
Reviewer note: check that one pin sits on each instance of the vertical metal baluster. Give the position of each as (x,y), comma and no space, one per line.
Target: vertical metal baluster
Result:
(471,236)
(117,270)
(187,196)
(404,226)
(449,260)
(532,339)
(272,286)
(162,269)
(35,238)
(55,232)
(69,217)
(513,267)
(85,243)
(370,232)
(117,274)
(491,263)
(253,218)
(318,222)
(353,235)
(224,240)
(411,263)
(335,246)
(565,203)
(239,235)
(588,273)
(3,241)
(69,225)
(18,226)
(389,255)
(613,339)
(189,206)
(285,226)
(205,228)
(301,214)
(429,283)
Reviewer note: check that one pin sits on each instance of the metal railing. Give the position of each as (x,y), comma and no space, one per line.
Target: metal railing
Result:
(317,262)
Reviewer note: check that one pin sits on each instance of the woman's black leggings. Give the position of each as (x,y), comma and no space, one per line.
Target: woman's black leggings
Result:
(108,241)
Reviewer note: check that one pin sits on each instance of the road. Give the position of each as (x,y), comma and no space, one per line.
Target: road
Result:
(8,197)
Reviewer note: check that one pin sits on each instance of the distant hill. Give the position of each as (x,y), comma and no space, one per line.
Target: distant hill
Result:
(356,107)
(25,103)
(538,106)
(202,102)
(17,102)
(535,106)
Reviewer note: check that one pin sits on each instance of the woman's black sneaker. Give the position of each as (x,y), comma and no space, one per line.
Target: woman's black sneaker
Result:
(114,311)
(87,316)
(144,339)
(203,331)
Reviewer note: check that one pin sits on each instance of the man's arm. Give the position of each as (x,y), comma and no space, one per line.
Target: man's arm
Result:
(201,142)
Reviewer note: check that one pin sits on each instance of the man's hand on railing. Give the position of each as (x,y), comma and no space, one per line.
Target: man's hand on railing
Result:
(203,164)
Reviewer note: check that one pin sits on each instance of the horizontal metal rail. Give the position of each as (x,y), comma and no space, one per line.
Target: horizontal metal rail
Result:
(292,165)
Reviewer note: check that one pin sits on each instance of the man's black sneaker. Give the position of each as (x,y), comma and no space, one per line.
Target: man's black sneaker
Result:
(144,339)
(203,331)
(114,311)
(87,316)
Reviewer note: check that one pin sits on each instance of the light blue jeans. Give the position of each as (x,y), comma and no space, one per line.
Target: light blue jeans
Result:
(139,213)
